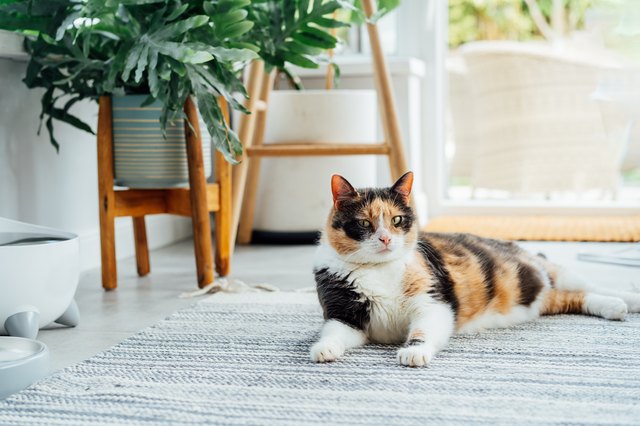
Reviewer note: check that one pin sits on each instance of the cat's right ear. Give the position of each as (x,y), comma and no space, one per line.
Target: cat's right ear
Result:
(342,190)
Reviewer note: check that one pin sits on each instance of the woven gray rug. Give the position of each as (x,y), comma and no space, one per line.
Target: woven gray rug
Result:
(243,360)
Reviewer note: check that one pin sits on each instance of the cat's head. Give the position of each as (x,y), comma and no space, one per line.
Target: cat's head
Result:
(371,225)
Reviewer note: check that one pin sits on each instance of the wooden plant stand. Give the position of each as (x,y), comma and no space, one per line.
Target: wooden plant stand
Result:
(252,130)
(196,201)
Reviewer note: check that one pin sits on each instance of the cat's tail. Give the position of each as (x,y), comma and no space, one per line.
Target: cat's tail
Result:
(558,301)
(567,280)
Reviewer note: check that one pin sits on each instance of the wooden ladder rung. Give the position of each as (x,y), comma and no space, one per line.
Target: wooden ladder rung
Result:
(317,149)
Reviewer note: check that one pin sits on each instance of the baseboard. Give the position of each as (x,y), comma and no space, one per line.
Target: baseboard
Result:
(162,230)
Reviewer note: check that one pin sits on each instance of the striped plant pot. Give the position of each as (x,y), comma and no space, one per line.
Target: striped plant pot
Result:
(143,158)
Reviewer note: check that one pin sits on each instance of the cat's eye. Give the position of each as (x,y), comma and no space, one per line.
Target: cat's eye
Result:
(396,220)
(364,223)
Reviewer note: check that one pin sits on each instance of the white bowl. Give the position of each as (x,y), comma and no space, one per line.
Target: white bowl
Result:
(22,362)
(39,269)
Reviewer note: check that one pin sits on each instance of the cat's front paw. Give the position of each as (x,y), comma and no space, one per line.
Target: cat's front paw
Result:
(326,351)
(415,356)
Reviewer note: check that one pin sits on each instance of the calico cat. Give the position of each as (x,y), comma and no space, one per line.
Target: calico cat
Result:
(381,280)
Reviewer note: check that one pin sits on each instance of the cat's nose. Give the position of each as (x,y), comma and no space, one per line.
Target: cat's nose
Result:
(385,239)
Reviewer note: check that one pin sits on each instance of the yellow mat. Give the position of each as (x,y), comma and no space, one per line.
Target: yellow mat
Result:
(543,228)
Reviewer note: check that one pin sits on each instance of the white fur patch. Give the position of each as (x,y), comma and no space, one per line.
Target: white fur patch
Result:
(381,284)
(607,307)
(415,356)
(335,338)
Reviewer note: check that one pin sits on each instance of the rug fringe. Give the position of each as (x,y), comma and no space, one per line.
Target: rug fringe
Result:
(229,286)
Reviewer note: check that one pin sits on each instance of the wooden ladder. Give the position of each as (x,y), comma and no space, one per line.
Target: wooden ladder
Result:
(252,130)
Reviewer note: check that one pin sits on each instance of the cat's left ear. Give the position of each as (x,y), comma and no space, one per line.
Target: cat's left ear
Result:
(403,186)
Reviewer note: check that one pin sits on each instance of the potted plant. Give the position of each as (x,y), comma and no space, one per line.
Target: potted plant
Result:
(301,34)
(149,55)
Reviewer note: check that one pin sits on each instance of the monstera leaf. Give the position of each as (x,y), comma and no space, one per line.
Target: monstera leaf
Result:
(169,49)
(293,31)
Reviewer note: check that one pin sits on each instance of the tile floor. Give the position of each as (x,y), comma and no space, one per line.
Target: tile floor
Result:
(110,317)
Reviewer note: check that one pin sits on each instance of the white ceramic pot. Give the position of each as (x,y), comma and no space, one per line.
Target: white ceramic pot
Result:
(143,158)
(295,194)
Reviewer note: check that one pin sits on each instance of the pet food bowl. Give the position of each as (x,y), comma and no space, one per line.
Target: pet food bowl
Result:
(22,362)
(39,269)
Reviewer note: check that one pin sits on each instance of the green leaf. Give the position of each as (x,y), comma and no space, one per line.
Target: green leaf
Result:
(303,7)
(326,8)
(184,52)
(300,48)
(223,138)
(142,64)
(244,45)
(177,28)
(112,3)
(232,17)
(52,138)
(132,60)
(336,74)
(300,60)
(236,30)
(62,115)
(227,5)
(316,38)
(209,8)
(330,23)
(177,12)
(68,22)
(229,55)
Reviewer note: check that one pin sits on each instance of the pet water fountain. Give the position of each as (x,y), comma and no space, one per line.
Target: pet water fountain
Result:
(39,269)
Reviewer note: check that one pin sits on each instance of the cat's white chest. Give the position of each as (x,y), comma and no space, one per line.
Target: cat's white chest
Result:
(382,287)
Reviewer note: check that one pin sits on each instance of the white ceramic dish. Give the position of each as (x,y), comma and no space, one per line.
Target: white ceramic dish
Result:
(39,270)
(22,362)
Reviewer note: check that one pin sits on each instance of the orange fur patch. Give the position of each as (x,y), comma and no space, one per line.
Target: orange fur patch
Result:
(507,289)
(563,302)
(339,240)
(469,286)
(416,279)
(388,211)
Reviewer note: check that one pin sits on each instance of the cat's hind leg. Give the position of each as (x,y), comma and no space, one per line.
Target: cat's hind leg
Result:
(579,302)
(567,280)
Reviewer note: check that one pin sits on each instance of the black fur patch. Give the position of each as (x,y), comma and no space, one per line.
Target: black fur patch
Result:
(414,342)
(346,216)
(530,284)
(443,288)
(339,301)
(487,264)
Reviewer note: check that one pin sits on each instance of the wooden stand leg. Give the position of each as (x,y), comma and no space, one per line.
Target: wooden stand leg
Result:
(246,136)
(106,195)
(223,217)
(198,194)
(388,110)
(247,213)
(142,248)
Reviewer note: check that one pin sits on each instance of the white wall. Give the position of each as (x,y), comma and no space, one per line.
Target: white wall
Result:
(59,190)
